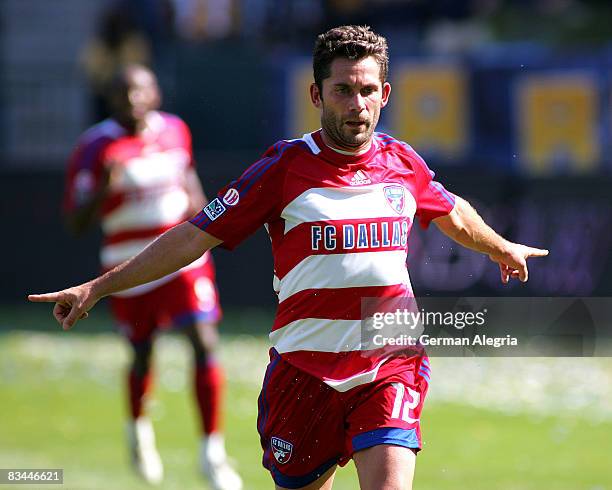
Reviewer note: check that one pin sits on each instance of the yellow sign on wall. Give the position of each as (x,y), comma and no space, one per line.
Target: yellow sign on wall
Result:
(304,117)
(557,123)
(429,107)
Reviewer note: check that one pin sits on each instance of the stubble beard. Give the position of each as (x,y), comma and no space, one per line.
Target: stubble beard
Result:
(342,134)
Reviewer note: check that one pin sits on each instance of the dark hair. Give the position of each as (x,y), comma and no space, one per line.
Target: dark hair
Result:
(351,42)
(121,79)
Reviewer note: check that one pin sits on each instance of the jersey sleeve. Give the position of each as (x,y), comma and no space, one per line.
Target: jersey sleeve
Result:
(84,174)
(433,200)
(247,203)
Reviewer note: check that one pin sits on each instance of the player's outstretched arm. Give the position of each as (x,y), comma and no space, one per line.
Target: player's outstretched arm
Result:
(174,249)
(465,226)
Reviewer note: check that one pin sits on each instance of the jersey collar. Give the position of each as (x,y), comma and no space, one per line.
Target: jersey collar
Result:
(340,159)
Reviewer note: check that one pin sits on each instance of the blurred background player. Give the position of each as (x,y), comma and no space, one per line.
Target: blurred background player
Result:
(135,174)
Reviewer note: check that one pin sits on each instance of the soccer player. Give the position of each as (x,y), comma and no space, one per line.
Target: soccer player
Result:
(135,174)
(338,205)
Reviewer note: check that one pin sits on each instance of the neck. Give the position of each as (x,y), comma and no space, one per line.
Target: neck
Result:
(140,127)
(350,150)
(136,127)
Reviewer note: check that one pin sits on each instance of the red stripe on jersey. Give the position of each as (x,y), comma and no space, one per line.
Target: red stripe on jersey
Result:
(112,202)
(332,304)
(345,236)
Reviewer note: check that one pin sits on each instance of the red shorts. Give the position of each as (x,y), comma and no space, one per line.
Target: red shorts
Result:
(189,297)
(306,427)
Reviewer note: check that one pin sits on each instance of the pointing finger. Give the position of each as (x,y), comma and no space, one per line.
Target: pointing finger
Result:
(536,252)
(45,298)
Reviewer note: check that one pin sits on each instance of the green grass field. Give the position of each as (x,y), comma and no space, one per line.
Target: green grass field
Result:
(62,406)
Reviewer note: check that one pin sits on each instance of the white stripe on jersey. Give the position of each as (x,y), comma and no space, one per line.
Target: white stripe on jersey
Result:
(148,212)
(152,169)
(319,335)
(275,284)
(364,269)
(343,385)
(327,203)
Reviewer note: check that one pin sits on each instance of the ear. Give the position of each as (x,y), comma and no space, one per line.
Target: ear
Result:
(315,95)
(386,91)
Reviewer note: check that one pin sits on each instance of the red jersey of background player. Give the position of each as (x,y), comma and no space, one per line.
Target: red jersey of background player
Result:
(147,192)
(339,228)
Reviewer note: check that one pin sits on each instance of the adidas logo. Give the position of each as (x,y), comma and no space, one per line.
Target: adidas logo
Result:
(360,178)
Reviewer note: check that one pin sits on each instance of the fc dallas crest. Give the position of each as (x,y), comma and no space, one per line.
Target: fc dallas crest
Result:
(281,449)
(395,197)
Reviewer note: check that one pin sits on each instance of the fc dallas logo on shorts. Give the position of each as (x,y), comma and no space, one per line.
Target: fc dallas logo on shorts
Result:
(395,197)
(282,450)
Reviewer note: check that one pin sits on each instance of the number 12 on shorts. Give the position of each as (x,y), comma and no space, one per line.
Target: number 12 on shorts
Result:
(404,408)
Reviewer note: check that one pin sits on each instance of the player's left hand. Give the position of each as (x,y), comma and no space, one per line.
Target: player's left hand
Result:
(513,261)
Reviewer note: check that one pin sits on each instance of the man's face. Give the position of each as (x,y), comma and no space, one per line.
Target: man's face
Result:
(137,95)
(350,102)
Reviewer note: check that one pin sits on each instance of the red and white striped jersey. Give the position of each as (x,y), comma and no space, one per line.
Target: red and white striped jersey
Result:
(147,190)
(339,228)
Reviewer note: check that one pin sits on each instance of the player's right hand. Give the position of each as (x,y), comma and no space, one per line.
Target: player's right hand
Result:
(71,305)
